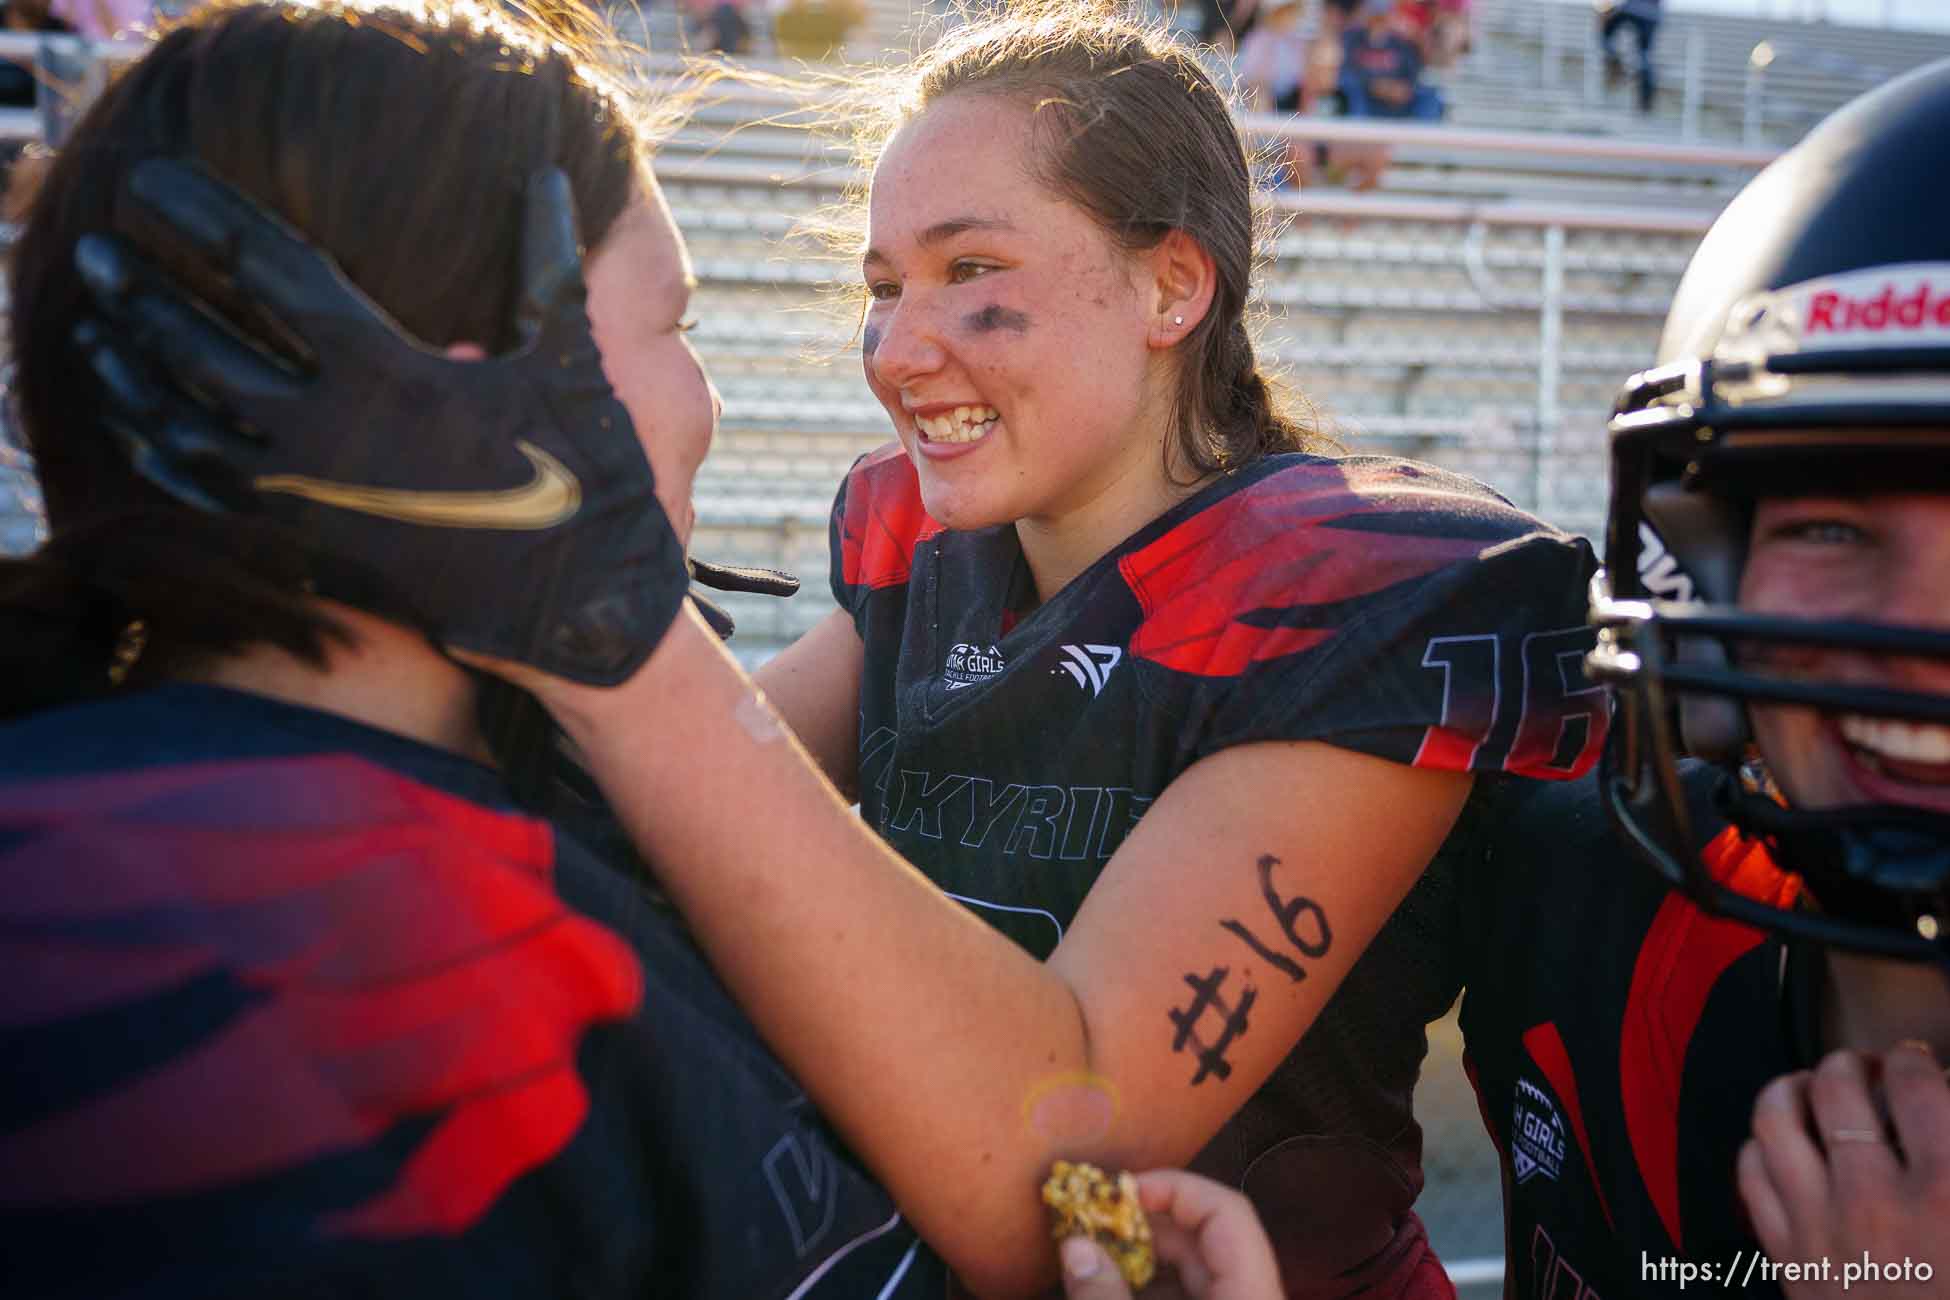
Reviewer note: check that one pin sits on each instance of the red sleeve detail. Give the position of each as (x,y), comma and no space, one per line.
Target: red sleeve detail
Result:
(1271,549)
(884,520)
(408,957)
(1446,750)
(1546,1047)
(1684,954)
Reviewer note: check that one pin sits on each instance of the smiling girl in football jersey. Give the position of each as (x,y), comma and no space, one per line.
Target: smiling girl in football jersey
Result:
(1229,696)
(1158,717)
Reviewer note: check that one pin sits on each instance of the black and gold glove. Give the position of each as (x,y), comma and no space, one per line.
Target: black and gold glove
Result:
(504,505)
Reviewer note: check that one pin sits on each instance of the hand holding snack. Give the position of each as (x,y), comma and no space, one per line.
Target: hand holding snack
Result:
(1204,1230)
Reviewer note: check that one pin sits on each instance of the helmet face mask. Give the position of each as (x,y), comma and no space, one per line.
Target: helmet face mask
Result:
(1807,355)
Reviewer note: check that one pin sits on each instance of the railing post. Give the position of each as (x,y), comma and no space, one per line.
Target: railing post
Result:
(71,73)
(1550,359)
(1552,42)
(1590,72)
(1695,76)
(1763,54)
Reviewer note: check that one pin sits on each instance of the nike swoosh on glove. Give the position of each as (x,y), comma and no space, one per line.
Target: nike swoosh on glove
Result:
(504,505)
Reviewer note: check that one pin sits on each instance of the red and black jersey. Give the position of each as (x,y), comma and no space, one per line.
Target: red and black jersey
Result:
(1617,1035)
(1376,604)
(295,1007)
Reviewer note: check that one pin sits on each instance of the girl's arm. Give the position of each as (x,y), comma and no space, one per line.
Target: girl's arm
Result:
(953,1061)
(814,684)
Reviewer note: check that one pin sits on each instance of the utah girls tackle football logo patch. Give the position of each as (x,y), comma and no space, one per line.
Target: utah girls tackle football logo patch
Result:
(1537,1138)
(968,664)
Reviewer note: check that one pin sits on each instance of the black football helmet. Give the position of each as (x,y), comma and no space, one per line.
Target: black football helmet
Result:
(1808,349)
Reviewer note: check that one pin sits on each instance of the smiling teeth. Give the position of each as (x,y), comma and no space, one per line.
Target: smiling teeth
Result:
(963,424)
(1907,742)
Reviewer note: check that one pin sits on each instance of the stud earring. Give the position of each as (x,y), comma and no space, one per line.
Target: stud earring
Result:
(1178,320)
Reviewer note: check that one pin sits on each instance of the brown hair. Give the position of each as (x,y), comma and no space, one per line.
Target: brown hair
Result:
(1130,128)
(396,141)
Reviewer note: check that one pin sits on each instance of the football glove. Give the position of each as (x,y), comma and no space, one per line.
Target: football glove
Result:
(504,505)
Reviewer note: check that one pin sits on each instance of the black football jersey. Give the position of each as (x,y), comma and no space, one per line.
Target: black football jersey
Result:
(1616,1034)
(1376,604)
(296,1007)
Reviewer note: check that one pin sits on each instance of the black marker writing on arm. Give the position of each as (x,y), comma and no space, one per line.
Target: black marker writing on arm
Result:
(1211,1056)
(1288,912)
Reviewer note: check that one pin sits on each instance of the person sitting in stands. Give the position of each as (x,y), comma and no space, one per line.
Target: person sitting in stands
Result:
(1380,77)
(1273,74)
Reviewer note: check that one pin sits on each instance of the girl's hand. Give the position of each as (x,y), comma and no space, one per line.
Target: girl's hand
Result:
(1841,1169)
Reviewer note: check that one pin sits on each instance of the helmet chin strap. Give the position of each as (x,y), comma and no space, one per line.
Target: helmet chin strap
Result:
(1885,865)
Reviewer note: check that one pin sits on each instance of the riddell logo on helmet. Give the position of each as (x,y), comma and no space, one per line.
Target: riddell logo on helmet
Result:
(1877,307)
(1831,311)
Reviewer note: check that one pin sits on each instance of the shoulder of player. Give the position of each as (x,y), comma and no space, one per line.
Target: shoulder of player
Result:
(1311,528)
(1382,497)
(205,761)
(881,519)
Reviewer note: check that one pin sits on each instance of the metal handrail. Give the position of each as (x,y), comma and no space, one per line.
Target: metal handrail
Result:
(1535,144)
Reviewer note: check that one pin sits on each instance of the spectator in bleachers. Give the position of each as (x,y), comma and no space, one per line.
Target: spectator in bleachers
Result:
(1335,15)
(815,29)
(1381,68)
(1271,66)
(1641,18)
(1415,19)
(721,26)
(1380,77)
(1275,74)
(19,88)
(1223,23)
(1439,28)
(1454,33)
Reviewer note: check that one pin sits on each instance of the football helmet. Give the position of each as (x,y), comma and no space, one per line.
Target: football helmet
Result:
(1808,349)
